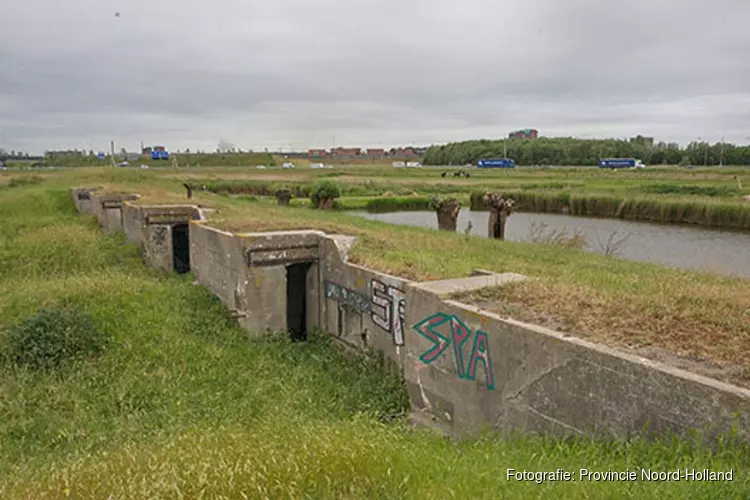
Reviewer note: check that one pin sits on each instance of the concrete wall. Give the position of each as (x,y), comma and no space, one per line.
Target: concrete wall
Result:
(361,307)
(472,369)
(82,198)
(108,209)
(217,261)
(133,224)
(465,367)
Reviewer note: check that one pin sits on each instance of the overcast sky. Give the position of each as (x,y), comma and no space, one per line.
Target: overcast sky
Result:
(301,73)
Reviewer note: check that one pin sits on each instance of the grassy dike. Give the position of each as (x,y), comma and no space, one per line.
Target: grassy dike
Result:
(181,404)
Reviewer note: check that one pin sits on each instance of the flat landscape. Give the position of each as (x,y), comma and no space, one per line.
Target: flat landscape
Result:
(181,404)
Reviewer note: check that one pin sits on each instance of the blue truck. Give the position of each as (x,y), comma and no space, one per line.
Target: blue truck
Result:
(621,163)
(497,163)
(159,155)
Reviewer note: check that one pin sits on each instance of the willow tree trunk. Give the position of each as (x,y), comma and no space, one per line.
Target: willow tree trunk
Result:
(325,203)
(283,197)
(493,229)
(447,216)
(501,225)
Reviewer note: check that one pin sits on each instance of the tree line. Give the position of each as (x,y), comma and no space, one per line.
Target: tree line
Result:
(568,151)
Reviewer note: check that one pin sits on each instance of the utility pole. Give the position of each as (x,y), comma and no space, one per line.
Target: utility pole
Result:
(705,156)
(721,156)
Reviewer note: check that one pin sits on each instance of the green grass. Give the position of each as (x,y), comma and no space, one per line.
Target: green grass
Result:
(708,197)
(181,404)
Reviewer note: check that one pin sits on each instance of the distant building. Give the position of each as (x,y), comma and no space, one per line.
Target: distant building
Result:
(317,153)
(527,133)
(347,152)
(70,152)
(126,156)
(146,151)
(376,152)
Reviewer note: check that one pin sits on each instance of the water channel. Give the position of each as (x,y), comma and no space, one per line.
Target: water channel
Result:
(686,247)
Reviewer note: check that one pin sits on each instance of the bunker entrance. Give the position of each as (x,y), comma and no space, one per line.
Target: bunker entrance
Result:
(296,300)
(181,248)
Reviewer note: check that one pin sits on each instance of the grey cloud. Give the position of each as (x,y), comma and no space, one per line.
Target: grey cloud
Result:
(369,71)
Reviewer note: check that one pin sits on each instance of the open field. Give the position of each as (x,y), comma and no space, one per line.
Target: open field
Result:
(181,404)
(699,321)
(711,197)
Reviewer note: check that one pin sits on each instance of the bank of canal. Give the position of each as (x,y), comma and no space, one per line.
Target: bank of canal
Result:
(685,247)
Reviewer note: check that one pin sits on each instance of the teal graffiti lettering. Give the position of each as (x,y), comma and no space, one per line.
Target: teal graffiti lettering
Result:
(460,333)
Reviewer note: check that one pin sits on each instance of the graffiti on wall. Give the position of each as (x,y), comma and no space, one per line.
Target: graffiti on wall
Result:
(388,306)
(160,235)
(344,296)
(458,337)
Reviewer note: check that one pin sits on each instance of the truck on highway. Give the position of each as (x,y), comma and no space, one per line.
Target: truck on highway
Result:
(497,163)
(621,163)
(159,155)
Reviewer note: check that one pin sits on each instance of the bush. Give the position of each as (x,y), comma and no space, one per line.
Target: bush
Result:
(323,191)
(53,337)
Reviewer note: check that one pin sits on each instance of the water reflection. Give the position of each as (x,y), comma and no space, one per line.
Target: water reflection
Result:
(687,247)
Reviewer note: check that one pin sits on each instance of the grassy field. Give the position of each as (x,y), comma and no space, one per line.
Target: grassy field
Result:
(181,405)
(711,197)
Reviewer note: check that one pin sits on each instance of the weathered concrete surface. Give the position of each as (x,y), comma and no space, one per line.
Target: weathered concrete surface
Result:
(264,300)
(445,288)
(157,248)
(133,224)
(217,261)
(108,209)
(248,272)
(267,255)
(82,199)
(361,307)
(537,380)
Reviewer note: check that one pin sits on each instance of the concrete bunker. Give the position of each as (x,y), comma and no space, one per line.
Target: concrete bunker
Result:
(167,236)
(82,198)
(465,367)
(282,281)
(108,209)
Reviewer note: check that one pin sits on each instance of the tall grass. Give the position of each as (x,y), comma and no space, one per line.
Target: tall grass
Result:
(667,211)
(182,405)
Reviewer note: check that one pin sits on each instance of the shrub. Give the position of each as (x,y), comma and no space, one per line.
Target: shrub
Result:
(52,337)
(324,191)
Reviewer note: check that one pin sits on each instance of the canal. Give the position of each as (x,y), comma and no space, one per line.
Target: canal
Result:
(685,247)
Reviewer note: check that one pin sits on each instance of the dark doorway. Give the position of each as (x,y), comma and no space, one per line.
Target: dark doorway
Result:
(181,248)
(296,300)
